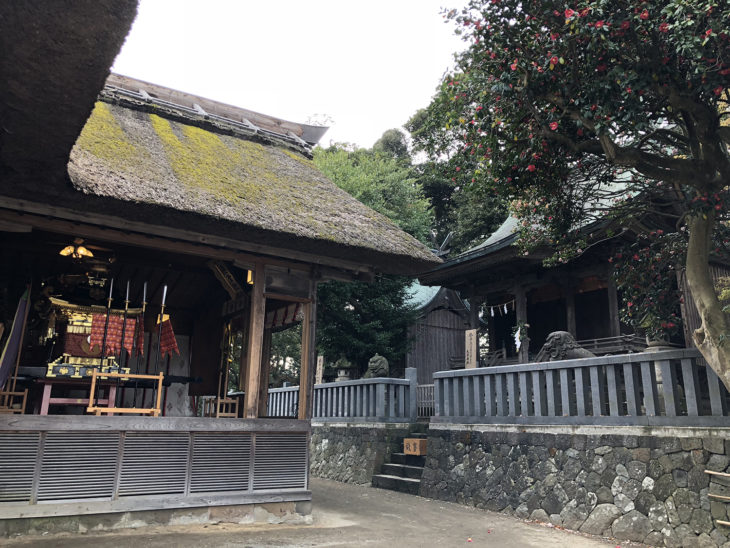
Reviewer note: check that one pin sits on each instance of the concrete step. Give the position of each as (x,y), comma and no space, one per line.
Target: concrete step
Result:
(410,460)
(394,483)
(402,470)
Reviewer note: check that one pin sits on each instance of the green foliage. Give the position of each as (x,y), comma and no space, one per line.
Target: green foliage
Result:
(356,320)
(646,275)
(381,182)
(459,204)
(393,143)
(286,356)
(599,110)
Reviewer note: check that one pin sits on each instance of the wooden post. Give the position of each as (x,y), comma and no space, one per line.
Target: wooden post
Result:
(521,313)
(265,370)
(614,325)
(255,343)
(570,310)
(309,351)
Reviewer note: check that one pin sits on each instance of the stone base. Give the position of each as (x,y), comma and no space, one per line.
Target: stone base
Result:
(354,452)
(272,512)
(644,485)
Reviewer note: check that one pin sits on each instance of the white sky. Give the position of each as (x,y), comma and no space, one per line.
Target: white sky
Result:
(369,65)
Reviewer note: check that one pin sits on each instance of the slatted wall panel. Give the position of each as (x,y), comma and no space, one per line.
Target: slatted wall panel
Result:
(280,461)
(78,465)
(154,464)
(220,462)
(18,454)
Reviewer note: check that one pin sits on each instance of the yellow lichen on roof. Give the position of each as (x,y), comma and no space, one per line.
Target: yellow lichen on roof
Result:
(104,137)
(202,162)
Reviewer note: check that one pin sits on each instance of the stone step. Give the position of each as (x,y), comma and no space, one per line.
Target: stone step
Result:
(402,470)
(395,483)
(410,460)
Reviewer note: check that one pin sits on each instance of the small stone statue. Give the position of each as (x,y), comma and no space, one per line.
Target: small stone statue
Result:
(377,367)
(561,345)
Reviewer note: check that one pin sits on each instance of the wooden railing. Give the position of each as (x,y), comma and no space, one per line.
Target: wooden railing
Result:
(660,388)
(364,400)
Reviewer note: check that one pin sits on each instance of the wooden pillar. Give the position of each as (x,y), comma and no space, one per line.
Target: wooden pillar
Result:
(255,343)
(523,355)
(614,324)
(570,310)
(309,356)
(265,371)
(474,305)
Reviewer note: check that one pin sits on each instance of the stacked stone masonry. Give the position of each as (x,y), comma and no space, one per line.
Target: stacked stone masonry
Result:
(352,453)
(648,489)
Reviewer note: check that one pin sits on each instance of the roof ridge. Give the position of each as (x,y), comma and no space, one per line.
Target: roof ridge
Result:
(140,100)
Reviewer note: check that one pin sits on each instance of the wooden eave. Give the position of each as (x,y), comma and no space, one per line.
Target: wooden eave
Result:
(23,214)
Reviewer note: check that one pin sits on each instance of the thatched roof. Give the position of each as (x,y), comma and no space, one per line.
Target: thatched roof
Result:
(165,166)
(54,58)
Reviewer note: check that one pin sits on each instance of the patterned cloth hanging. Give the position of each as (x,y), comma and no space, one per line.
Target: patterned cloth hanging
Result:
(168,343)
(113,333)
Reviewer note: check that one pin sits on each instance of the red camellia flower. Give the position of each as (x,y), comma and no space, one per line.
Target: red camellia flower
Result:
(599,24)
(644,15)
(513,66)
(664,27)
(531,167)
(569,13)
(554,60)
(625,25)
(708,32)
(553,125)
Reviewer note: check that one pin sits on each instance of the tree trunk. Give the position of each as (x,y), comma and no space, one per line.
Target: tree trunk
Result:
(715,328)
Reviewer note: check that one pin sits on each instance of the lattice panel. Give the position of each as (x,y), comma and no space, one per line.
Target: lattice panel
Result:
(154,463)
(280,461)
(18,454)
(221,462)
(78,465)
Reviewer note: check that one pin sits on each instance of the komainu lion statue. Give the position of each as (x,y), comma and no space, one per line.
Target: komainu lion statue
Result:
(561,345)
(377,367)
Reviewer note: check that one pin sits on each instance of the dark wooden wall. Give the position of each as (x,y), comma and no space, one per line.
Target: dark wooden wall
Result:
(436,338)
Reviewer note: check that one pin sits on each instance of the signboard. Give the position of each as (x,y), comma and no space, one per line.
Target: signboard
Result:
(320,370)
(470,354)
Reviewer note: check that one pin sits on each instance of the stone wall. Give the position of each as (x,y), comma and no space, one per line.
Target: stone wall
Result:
(353,452)
(642,484)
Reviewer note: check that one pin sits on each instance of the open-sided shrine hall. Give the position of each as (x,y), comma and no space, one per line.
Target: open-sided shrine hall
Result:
(149,239)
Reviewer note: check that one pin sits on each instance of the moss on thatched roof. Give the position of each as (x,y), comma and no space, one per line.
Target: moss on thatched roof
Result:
(141,157)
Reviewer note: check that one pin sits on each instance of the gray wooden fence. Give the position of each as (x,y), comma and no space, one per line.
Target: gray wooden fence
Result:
(661,388)
(364,400)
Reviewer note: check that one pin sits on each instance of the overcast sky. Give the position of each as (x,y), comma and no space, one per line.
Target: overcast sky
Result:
(368,65)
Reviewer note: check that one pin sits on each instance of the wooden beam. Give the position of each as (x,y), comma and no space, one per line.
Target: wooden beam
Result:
(92,225)
(255,343)
(309,358)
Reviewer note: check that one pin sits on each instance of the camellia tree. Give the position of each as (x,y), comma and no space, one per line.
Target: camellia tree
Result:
(610,110)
